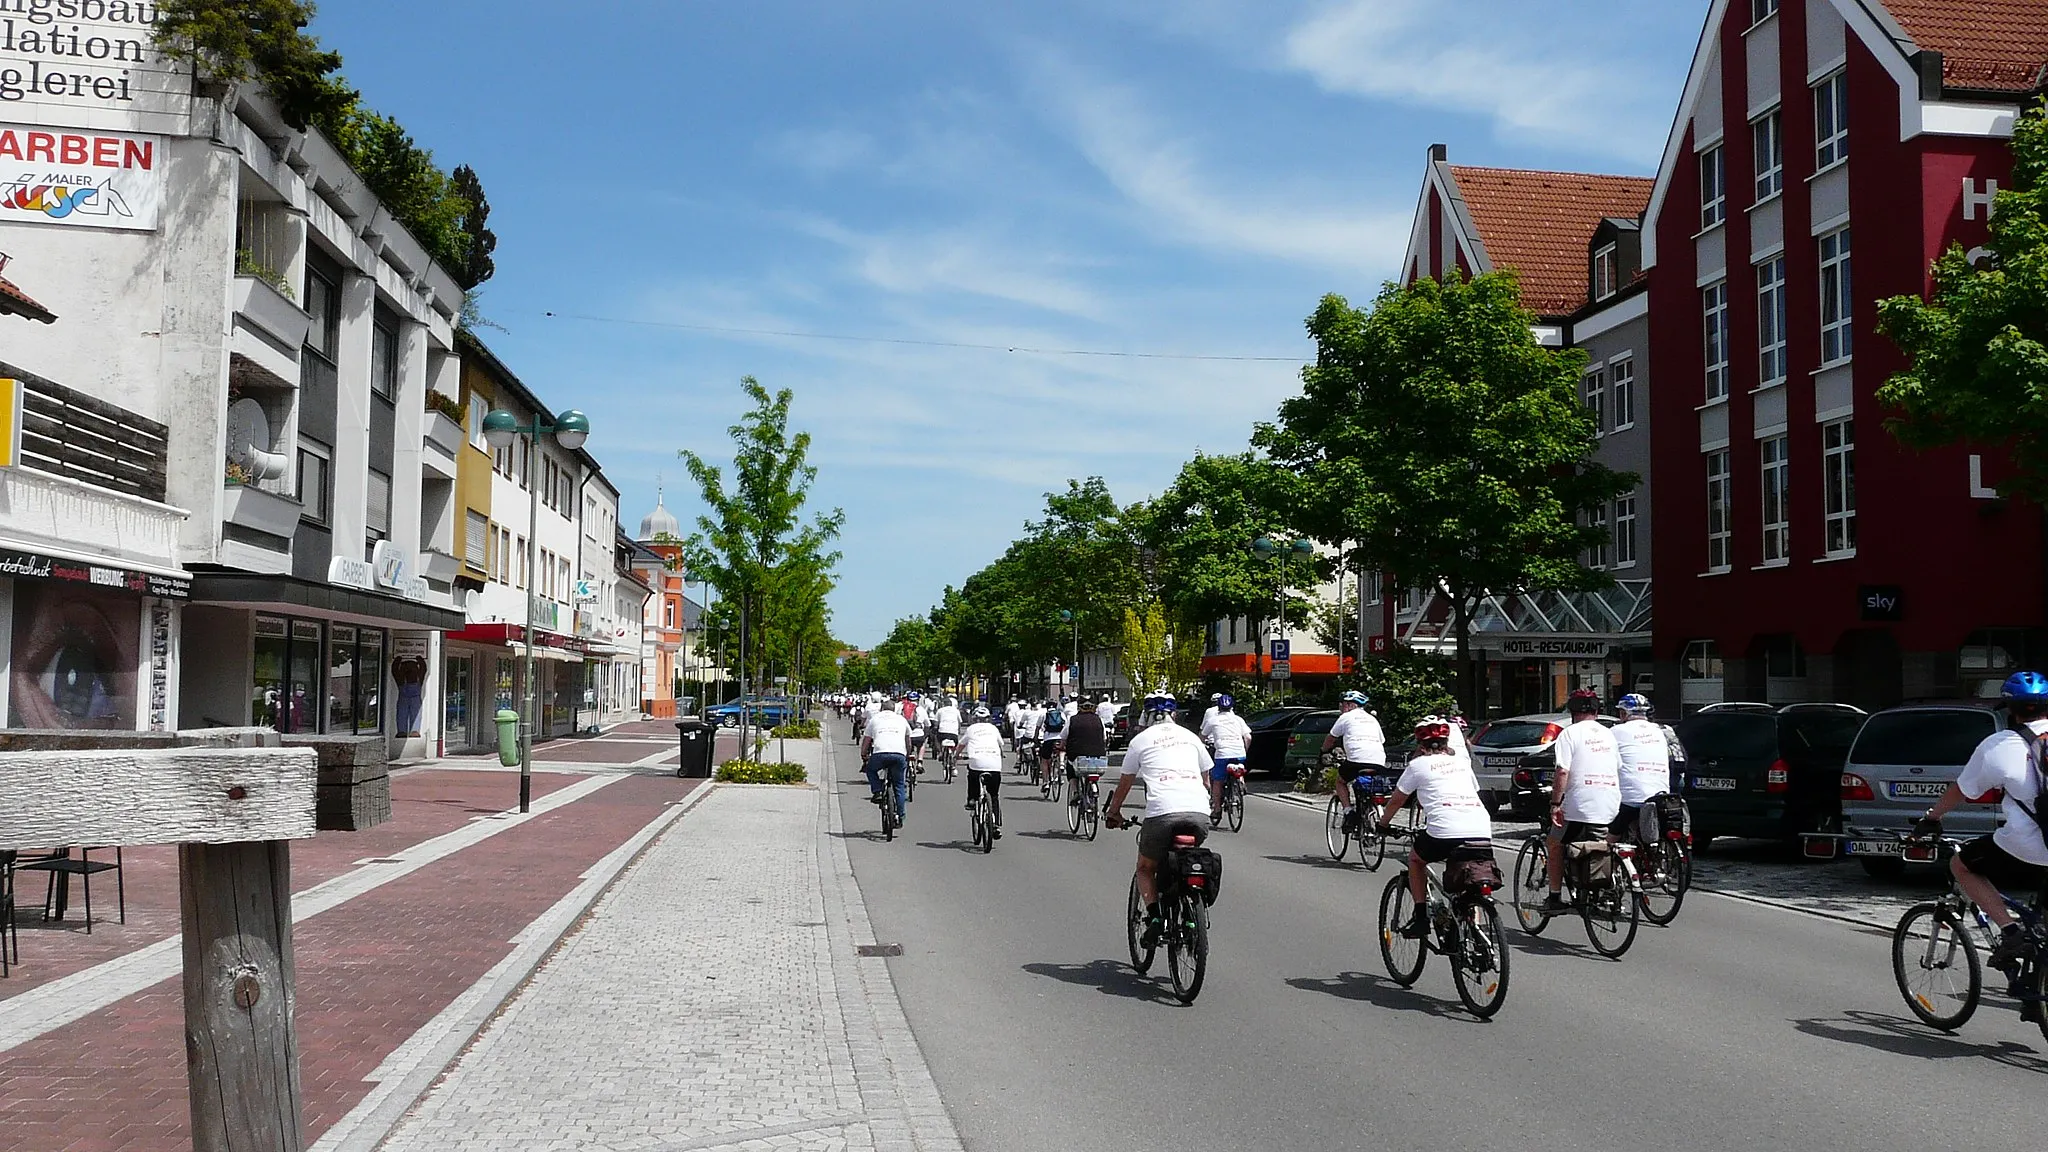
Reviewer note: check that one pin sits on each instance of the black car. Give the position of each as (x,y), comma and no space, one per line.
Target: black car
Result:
(1766,772)
(1270,732)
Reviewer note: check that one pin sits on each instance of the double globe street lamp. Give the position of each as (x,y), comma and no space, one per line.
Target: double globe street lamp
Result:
(570,430)
(1282,551)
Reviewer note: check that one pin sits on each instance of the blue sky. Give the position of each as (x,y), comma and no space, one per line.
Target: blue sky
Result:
(1184,177)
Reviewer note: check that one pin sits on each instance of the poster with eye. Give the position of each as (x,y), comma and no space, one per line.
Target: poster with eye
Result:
(74,658)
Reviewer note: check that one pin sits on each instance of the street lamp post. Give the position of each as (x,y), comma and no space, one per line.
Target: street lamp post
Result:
(1280,551)
(1071,619)
(570,430)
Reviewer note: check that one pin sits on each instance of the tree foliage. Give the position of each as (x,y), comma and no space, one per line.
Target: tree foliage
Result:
(477,265)
(1404,686)
(1444,445)
(1200,532)
(1979,344)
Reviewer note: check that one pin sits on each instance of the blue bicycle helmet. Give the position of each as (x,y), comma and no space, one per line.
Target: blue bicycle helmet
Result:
(1634,702)
(1225,701)
(2025,686)
(1355,697)
(1160,703)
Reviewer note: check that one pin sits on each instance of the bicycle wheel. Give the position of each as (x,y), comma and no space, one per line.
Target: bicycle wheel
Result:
(1233,804)
(1187,947)
(1059,785)
(1935,962)
(1612,915)
(2037,986)
(1372,842)
(988,825)
(1074,812)
(888,820)
(1404,957)
(1481,966)
(1334,835)
(1091,815)
(1665,886)
(1532,885)
(1134,928)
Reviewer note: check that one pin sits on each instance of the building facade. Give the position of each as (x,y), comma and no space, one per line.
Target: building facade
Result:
(1803,553)
(665,620)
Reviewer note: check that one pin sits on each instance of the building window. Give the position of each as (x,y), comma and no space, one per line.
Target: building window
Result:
(1374,592)
(1596,399)
(1770,322)
(377,506)
(1714,303)
(1831,121)
(1606,274)
(314,502)
(1713,187)
(1622,387)
(524,566)
(1625,531)
(1762,10)
(1777,474)
(384,355)
(476,549)
(321,299)
(1596,557)
(1838,473)
(478,409)
(1719,535)
(1767,138)
(1836,307)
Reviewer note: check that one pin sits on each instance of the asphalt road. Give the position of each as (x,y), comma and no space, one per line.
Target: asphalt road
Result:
(1739,1026)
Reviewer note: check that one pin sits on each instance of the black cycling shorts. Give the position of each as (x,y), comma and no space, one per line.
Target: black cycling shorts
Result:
(1351,770)
(1155,838)
(1435,851)
(2009,873)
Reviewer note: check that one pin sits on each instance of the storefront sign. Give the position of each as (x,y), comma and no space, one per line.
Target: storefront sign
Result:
(352,573)
(76,178)
(1563,649)
(32,566)
(1881,602)
(159,667)
(386,571)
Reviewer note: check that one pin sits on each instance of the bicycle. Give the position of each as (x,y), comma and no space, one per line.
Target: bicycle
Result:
(1464,928)
(1233,800)
(1928,959)
(949,747)
(1084,806)
(1596,882)
(1369,794)
(1027,760)
(885,801)
(982,821)
(1185,890)
(1661,872)
(1052,782)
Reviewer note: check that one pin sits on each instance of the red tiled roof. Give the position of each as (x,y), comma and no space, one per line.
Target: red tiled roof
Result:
(1539,223)
(20,303)
(1992,45)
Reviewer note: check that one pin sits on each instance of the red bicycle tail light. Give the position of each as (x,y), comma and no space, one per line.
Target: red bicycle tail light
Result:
(1855,787)
(1197,881)
(1778,778)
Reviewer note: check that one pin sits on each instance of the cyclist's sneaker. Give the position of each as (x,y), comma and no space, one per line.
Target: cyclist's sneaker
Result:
(1350,821)
(969,806)
(1418,925)
(996,833)
(1153,927)
(1555,902)
(2011,946)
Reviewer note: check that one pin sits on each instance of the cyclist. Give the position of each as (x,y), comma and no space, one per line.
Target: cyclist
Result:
(1010,711)
(884,748)
(1215,706)
(1452,815)
(1052,729)
(927,721)
(2014,857)
(912,707)
(948,720)
(1365,748)
(1172,763)
(1227,736)
(982,745)
(1085,744)
(1586,790)
(1644,751)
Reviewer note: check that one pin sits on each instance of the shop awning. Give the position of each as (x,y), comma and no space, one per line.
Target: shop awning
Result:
(289,594)
(1303,664)
(499,634)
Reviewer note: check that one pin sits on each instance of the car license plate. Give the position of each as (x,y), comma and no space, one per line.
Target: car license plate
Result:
(1874,847)
(1714,783)
(1916,789)
(1503,761)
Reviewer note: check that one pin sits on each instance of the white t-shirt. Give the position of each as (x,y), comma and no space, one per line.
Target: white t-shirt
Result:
(1027,723)
(890,732)
(1586,751)
(1443,785)
(868,710)
(983,746)
(1229,733)
(1645,760)
(1360,733)
(1011,710)
(1071,708)
(949,719)
(2000,761)
(1174,767)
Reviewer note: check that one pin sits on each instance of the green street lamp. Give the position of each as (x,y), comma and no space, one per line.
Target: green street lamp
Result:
(1075,667)
(1269,548)
(501,429)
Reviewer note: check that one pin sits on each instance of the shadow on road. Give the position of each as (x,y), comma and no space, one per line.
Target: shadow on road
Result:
(1549,945)
(1377,991)
(1909,1038)
(1310,860)
(1047,834)
(1110,977)
(955,845)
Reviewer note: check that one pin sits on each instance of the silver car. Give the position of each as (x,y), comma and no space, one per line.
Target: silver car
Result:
(1499,746)
(1902,762)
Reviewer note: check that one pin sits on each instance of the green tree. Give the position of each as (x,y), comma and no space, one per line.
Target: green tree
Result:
(237,41)
(1438,440)
(477,265)
(753,543)
(1199,533)
(1979,345)
(1404,686)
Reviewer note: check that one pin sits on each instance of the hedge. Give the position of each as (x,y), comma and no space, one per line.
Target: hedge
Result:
(796,730)
(753,772)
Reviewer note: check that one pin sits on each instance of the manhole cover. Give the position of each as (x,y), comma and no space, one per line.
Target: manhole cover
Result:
(879,949)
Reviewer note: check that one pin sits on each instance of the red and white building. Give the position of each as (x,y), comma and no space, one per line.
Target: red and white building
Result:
(1824,152)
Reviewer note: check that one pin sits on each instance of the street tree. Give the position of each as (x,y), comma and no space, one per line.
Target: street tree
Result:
(1200,530)
(1979,343)
(1158,651)
(1440,442)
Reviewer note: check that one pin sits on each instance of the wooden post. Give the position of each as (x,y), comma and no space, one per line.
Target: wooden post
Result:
(241,1049)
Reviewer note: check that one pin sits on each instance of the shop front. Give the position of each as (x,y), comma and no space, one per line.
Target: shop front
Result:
(89,645)
(483,672)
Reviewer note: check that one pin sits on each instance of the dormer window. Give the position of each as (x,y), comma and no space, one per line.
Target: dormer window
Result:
(1606,272)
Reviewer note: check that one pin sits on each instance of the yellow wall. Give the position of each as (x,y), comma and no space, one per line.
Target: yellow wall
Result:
(473,465)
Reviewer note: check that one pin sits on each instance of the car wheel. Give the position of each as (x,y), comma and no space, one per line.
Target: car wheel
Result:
(1882,867)
(1701,841)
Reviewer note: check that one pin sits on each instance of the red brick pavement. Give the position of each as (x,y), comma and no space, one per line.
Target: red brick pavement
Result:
(370,973)
(423,805)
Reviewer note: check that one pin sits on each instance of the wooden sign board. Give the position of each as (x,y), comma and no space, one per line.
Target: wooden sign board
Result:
(156,796)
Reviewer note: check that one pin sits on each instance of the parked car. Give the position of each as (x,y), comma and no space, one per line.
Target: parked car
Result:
(764,710)
(1902,762)
(1502,747)
(1765,772)
(1304,748)
(1271,730)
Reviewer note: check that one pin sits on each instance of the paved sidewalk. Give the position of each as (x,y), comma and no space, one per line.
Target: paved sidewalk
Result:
(713,999)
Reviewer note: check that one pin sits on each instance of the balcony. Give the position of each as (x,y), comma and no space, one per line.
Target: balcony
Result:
(258,511)
(441,441)
(439,567)
(269,329)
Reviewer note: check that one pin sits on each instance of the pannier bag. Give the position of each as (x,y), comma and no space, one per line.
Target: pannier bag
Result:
(1189,863)
(1665,813)
(1467,875)
(1592,860)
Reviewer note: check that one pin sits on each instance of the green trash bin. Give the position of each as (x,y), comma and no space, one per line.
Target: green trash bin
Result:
(508,738)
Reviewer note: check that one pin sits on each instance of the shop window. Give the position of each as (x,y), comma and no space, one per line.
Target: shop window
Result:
(341,678)
(1699,675)
(305,670)
(1784,658)
(1992,652)
(369,682)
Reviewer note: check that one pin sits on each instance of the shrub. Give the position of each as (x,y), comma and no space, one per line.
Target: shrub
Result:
(797,730)
(755,772)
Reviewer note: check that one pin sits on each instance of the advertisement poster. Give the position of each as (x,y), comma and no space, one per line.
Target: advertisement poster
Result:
(74,659)
(80,179)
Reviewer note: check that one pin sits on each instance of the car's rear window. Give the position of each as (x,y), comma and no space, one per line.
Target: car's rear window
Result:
(1310,725)
(1943,737)
(1512,734)
(1820,731)
(1270,717)
(1733,735)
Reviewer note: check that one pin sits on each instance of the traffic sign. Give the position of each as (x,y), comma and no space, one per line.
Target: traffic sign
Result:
(1283,650)
(1282,670)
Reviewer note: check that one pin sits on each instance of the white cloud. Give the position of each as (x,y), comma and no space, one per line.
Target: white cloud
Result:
(963,258)
(1533,69)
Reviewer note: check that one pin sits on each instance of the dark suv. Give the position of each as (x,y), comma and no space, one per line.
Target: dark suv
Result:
(1766,772)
